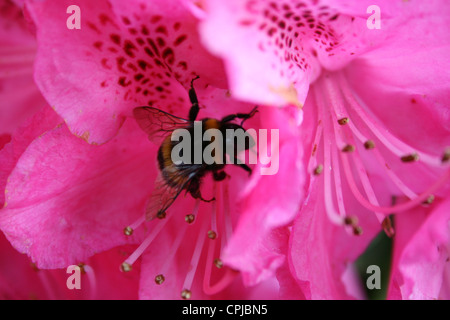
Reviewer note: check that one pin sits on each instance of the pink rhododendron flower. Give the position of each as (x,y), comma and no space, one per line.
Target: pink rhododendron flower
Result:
(376,121)
(69,198)
(19,96)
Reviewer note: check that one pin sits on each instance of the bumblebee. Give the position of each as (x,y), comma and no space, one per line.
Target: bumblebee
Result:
(174,177)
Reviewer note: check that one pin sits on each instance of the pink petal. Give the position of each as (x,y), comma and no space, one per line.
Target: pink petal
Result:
(251,250)
(405,75)
(21,280)
(67,200)
(122,57)
(175,265)
(321,253)
(44,120)
(421,254)
(289,288)
(274,50)
(19,96)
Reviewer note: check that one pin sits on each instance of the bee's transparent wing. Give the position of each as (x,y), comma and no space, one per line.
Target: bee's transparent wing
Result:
(163,196)
(157,123)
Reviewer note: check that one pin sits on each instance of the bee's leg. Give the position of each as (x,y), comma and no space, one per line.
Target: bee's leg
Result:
(239,163)
(193,112)
(219,175)
(243,116)
(245,167)
(194,190)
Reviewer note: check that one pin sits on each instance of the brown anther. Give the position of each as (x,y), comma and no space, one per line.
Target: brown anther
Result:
(357,231)
(369,145)
(410,158)
(387,227)
(429,200)
(318,170)
(82,269)
(125,267)
(218,263)
(189,218)
(186,294)
(212,234)
(351,221)
(343,121)
(348,148)
(34,266)
(128,231)
(446,156)
(159,279)
(161,214)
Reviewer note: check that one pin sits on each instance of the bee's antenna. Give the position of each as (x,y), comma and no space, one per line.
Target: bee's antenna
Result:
(192,81)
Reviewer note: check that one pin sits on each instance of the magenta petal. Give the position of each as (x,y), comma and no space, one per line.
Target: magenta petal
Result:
(66,200)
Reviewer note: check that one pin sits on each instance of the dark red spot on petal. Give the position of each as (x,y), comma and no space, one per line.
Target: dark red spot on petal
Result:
(129,47)
(158,62)
(105,64)
(104,19)
(140,41)
(122,82)
(115,38)
(93,27)
(334,17)
(149,52)
(169,55)
(162,29)
(120,62)
(155,18)
(126,20)
(131,66)
(98,45)
(142,64)
(160,42)
(153,45)
(182,65)
(144,30)
(180,40)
